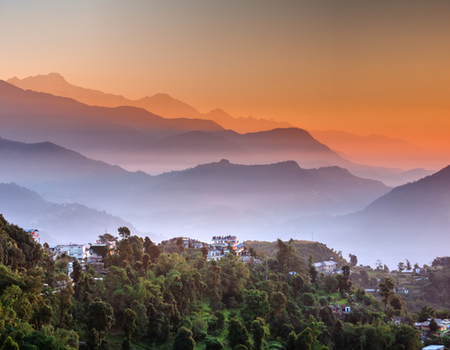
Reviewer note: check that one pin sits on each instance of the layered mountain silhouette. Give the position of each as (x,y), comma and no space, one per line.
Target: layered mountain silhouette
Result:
(411,220)
(160,104)
(33,116)
(57,223)
(379,150)
(139,140)
(276,191)
(277,145)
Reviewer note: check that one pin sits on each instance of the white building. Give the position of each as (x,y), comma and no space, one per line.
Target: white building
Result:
(94,256)
(325,266)
(78,251)
(220,247)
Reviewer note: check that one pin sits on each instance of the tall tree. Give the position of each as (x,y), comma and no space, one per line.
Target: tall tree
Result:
(183,340)
(312,270)
(386,290)
(124,232)
(408,265)
(237,334)
(258,333)
(353,260)
(64,292)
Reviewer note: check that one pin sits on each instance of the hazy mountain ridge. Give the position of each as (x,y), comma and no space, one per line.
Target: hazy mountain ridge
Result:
(37,117)
(378,150)
(134,138)
(161,104)
(278,191)
(411,218)
(57,223)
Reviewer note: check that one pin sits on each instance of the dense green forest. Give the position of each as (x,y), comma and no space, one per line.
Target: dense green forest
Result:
(168,297)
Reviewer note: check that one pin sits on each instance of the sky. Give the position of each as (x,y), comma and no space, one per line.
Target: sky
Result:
(367,67)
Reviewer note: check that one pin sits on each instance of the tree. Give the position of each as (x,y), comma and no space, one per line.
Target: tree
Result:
(124,232)
(237,334)
(408,265)
(434,327)
(297,282)
(183,340)
(364,277)
(64,292)
(213,344)
(10,344)
(308,299)
(401,266)
(145,261)
(77,272)
(154,251)
(204,251)
(258,333)
(256,305)
(288,255)
(129,322)
(100,318)
(396,303)
(252,252)
(278,302)
(379,265)
(344,283)
(126,344)
(386,290)
(312,270)
(353,260)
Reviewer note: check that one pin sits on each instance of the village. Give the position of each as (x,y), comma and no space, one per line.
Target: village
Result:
(94,253)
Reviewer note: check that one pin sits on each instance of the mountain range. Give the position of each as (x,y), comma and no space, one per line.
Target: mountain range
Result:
(278,191)
(260,201)
(136,139)
(279,183)
(378,150)
(373,150)
(160,104)
(57,223)
(410,221)
(36,117)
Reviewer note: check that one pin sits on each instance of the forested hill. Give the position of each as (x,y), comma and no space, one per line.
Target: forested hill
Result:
(147,298)
(319,251)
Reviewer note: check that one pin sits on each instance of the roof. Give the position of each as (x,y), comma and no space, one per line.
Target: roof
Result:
(324,263)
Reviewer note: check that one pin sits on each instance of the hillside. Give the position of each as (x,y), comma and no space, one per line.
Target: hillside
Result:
(319,251)
(411,218)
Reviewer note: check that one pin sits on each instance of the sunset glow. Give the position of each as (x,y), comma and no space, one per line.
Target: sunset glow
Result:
(363,67)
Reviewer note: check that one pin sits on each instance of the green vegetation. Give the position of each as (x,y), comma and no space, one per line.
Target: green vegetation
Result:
(169,297)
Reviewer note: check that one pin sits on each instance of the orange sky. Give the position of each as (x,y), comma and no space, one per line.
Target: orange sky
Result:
(361,66)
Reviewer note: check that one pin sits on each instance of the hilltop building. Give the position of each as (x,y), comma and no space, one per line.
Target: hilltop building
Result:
(188,242)
(326,267)
(77,251)
(34,233)
(100,249)
(221,246)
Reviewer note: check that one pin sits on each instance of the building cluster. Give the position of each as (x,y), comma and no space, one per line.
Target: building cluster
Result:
(443,326)
(93,253)
(222,245)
